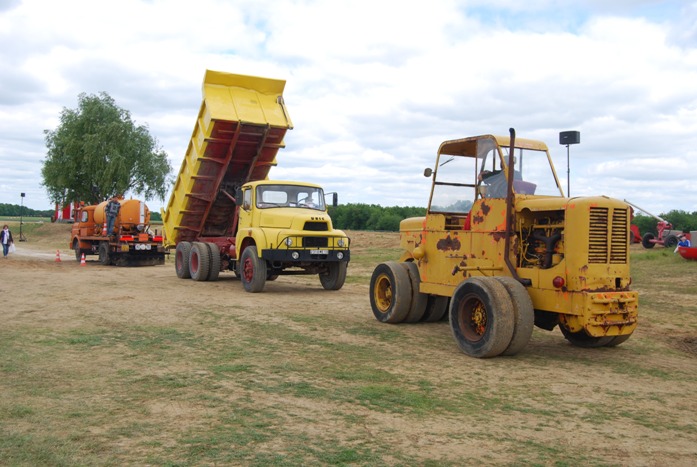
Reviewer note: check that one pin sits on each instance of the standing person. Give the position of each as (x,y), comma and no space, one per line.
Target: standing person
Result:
(111,210)
(6,240)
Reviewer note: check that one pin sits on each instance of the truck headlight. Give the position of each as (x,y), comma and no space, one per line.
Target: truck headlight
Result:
(295,255)
(289,241)
(340,255)
(341,243)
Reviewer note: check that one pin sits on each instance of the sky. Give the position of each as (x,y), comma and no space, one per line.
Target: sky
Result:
(373,87)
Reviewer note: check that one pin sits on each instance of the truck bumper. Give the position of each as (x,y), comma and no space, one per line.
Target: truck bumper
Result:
(321,255)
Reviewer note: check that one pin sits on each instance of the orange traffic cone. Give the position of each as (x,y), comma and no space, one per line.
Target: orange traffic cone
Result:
(82,260)
(58,256)
(104,233)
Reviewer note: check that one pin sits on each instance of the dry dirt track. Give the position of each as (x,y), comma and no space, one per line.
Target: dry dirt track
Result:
(634,405)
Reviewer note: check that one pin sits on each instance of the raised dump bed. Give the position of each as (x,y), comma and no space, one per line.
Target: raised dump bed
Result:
(240,128)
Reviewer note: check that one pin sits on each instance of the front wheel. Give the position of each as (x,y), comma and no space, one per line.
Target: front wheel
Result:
(78,253)
(523,314)
(335,277)
(390,292)
(481,317)
(253,270)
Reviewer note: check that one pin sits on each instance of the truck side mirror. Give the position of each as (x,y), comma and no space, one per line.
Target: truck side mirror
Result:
(335,199)
(238,196)
(428,172)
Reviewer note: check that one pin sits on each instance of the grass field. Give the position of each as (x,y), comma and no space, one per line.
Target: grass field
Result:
(118,366)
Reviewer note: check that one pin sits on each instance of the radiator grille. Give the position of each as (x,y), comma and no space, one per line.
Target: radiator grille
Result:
(607,236)
(316,226)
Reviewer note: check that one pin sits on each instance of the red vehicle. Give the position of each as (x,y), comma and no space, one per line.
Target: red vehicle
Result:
(667,236)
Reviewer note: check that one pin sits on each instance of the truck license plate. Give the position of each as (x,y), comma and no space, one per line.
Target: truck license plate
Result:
(319,252)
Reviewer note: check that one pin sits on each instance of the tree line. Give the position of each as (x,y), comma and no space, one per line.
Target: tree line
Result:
(373,217)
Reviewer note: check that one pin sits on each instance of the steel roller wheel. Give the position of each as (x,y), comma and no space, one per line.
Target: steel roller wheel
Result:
(418,299)
(524,315)
(252,270)
(582,339)
(181,260)
(335,277)
(617,340)
(104,256)
(199,261)
(390,292)
(481,317)
(214,256)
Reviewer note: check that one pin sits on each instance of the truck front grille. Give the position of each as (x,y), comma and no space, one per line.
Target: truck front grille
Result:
(607,236)
(316,226)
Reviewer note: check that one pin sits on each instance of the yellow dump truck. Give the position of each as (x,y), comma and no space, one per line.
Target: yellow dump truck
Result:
(132,242)
(501,250)
(224,213)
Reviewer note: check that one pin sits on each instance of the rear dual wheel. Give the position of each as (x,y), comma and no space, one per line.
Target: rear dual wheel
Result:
(199,261)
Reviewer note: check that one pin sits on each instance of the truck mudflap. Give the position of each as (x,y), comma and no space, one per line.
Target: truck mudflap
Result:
(305,256)
(603,313)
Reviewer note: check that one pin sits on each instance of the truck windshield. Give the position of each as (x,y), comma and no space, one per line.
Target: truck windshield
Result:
(293,196)
(475,169)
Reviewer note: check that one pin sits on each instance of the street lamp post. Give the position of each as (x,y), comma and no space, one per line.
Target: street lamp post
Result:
(569,138)
(21,219)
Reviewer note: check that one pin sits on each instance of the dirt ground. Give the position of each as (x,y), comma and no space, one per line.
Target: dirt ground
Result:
(632,405)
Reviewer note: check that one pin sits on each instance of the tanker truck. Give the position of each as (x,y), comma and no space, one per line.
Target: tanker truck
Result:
(224,214)
(132,242)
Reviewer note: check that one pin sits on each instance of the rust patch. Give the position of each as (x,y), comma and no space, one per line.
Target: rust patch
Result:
(486,208)
(448,243)
(498,236)
(477,219)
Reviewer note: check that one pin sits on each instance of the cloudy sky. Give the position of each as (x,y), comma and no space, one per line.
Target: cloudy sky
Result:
(374,86)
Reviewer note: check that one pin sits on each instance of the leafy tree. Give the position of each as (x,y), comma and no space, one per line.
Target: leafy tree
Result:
(98,151)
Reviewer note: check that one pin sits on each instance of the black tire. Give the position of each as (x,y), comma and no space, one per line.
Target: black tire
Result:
(390,292)
(78,252)
(181,260)
(671,241)
(335,277)
(436,309)
(418,299)
(524,315)
(646,240)
(481,317)
(252,270)
(199,261)
(617,340)
(581,339)
(104,254)
(214,251)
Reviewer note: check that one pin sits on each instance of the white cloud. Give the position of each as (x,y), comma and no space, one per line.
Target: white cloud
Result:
(374,87)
